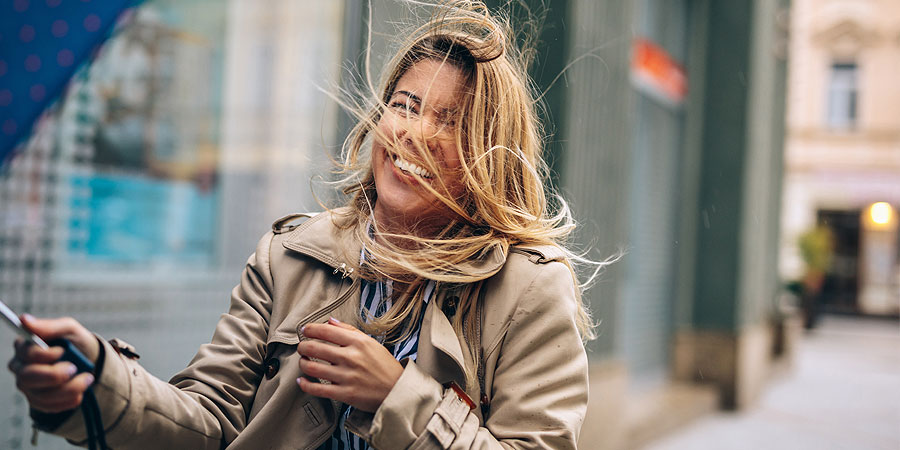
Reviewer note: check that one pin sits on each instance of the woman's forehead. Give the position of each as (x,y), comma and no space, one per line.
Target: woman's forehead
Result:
(436,84)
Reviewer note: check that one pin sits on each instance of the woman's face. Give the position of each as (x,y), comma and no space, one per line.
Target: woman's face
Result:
(420,117)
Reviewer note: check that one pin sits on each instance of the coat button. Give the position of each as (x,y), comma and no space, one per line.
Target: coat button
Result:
(449,306)
(272,368)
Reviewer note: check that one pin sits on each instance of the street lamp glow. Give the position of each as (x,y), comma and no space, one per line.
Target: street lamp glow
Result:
(881,213)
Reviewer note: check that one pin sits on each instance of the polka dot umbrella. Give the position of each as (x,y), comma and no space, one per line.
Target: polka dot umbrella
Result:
(42,44)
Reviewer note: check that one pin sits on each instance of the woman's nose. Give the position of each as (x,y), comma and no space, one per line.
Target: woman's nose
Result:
(421,132)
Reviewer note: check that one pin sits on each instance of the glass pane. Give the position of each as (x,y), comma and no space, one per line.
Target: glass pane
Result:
(842,96)
(135,204)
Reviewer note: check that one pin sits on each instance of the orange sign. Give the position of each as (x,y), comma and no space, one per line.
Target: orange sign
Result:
(654,72)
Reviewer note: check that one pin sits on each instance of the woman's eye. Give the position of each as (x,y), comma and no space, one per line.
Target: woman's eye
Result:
(404,106)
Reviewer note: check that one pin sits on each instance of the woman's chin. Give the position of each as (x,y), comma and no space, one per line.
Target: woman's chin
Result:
(409,215)
(398,210)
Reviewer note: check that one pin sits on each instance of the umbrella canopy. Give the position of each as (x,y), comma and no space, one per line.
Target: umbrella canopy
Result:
(42,44)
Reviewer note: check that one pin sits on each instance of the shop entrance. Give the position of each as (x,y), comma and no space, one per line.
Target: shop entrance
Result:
(840,288)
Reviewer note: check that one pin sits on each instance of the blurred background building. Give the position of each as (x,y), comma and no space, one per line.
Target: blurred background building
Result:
(135,204)
(842,178)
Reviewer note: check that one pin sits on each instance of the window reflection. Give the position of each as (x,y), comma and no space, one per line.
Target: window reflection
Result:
(142,140)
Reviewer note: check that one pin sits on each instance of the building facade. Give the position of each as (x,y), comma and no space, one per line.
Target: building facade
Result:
(843,150)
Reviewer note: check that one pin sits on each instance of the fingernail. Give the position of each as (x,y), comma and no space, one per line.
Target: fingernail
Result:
(89,380)
(303,329)
(27,317)
(335,321)
(298,381)
(71,370)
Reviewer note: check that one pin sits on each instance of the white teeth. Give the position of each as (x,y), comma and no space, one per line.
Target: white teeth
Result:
(410,167)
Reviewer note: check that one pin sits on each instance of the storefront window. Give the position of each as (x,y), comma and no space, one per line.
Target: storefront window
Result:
(139,196)
(140,136)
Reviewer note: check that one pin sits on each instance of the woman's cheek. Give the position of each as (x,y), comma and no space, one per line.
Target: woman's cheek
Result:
(387,130)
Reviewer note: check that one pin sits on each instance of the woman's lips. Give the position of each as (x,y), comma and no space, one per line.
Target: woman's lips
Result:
(410,167)
(404,175)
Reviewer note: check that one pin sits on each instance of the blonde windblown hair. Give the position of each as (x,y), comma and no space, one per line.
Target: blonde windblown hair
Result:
(499,140)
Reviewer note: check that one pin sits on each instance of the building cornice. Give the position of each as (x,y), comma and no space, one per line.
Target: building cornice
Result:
(873,135)
(846,37)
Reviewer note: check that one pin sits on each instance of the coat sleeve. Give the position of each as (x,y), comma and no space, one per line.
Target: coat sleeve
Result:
(203,407)
(539,394)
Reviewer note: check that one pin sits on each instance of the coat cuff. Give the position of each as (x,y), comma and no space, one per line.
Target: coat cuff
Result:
(392,425)
(440,413)
(113,391)
(447,422)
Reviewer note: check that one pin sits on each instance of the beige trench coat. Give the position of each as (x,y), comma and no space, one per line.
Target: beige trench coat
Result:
(239,391)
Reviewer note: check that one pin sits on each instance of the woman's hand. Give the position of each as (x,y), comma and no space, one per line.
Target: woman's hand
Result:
(50,385)
(361,370)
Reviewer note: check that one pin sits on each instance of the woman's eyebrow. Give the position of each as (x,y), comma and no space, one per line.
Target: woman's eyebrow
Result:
(412,96)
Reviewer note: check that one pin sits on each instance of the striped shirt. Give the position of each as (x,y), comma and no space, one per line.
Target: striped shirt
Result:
(375,300)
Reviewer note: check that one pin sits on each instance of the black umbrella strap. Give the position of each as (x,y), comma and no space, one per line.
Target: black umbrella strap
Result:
(93,422)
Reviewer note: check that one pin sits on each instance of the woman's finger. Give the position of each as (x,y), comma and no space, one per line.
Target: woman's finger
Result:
(323,351)
(43,376)
(343,325)
(32,354)
(332,391)
(322,370)
(330,333)
(66,327)
(62,398)
(342,393)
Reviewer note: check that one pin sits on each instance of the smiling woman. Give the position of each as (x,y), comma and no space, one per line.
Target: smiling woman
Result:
(418,126)
(437,309)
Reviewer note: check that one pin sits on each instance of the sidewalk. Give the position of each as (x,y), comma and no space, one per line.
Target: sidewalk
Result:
(842,393)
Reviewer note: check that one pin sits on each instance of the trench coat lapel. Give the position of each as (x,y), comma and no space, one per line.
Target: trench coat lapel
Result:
(440,353)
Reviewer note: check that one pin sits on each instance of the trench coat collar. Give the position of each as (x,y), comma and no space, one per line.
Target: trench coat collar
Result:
(328,238)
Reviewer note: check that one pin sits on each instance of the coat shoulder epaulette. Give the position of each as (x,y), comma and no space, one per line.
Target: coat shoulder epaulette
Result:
(540,254)
(289,222)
